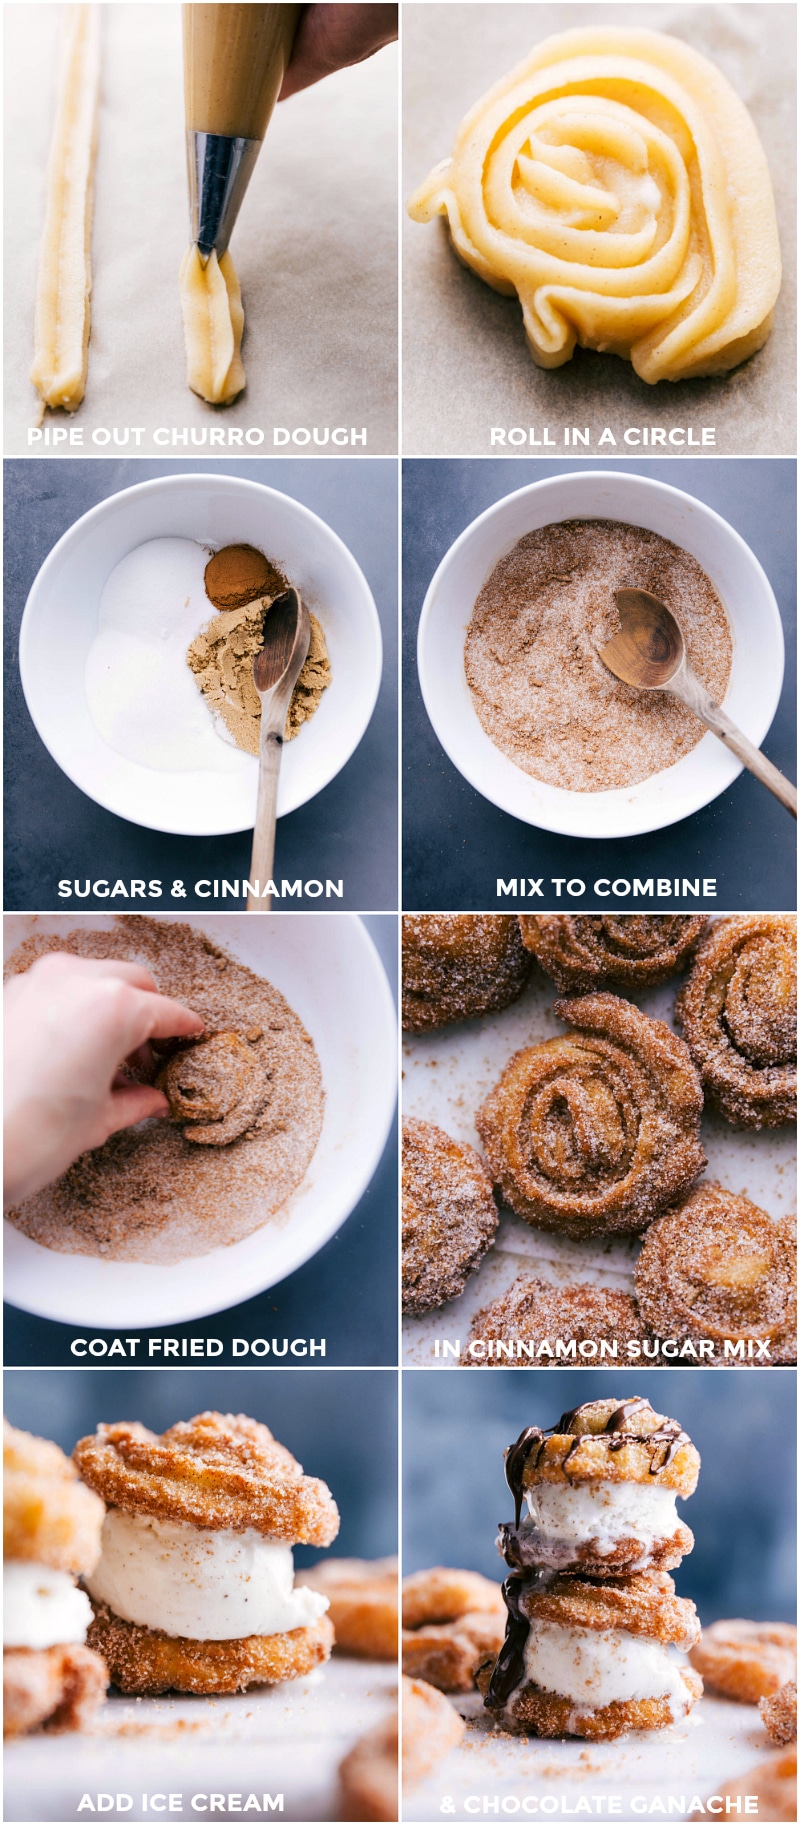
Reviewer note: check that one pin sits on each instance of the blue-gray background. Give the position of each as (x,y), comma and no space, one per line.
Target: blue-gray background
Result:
(341,1425)
(455,843)
(742,1514)
(346,1294)
(53,831)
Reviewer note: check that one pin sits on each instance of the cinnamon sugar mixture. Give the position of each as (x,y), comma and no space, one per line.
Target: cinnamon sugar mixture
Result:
(148,1194)
(539,686)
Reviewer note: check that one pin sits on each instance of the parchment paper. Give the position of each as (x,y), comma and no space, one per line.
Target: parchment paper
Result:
(315,246)
(447,1075)
(719,1741)
(466,365)
(286,1739)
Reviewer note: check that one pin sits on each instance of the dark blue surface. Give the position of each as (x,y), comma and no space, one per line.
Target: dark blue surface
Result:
(311,1413)
(346,1294)
(457,1425)
(54,832)
(456,844)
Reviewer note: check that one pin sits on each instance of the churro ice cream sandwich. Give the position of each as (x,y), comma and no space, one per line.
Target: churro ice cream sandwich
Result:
(194,1588)
(51,1534)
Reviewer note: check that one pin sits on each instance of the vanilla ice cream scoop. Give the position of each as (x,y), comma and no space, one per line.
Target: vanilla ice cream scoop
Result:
(565,1520)
(42,1608)
(207,1584)
(603,1667)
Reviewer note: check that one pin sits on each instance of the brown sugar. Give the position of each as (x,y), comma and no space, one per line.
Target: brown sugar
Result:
(239,573)
(149,1194)
(532,654)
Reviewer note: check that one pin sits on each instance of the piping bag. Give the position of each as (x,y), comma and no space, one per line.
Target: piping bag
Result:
(234,58)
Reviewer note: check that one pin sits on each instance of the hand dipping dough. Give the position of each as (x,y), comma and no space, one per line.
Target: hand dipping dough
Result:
(616,183)
(222,660)
(213,325)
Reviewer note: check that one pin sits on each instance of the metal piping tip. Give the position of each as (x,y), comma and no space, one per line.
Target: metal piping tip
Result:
(220,169)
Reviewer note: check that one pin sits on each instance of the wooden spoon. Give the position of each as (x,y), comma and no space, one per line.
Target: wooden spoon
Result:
(276,669)
(649,653)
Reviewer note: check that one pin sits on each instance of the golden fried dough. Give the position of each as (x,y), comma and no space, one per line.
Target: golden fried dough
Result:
(368,1775)
(738,1011)
(53,1689)
(457,965)
(431,1728)
(584,951)
(216,1470)
(363,1596)
(449,1215)
(746,1660)
(779,1713)
(715,1266)
(48,1515)
(146,1661)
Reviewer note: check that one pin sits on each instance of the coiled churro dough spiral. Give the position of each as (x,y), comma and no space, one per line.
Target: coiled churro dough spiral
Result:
(599,1129)
(616,183)
(738,1011)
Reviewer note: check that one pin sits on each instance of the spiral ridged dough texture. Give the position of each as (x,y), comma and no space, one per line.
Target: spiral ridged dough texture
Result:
(632,950)
(598,1130)
(738,1013)
(617,184)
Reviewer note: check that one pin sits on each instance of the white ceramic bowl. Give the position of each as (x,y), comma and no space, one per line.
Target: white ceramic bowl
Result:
(332,977)
(756,673)
(60,622)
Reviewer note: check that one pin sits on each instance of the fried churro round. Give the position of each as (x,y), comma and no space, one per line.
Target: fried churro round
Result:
(54,1689)
(218,1088)
(216,1470)
(597,1130)
(779,1713)
(456,965)
(364,1598)
(447,1654)
(431,1728)
(368,1775)
(607,1441)
(533,1316)
(746,1660)
(773,1785)
(443,1593)
(48,1515)
(449,1215)
(715,1266)
(580,952)
(738,1011)
(146,1661)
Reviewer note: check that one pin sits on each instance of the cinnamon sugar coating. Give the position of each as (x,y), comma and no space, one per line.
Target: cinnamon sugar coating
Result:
(597,1130)
(640,1603)
(54,1689)
(642,1446)
(716,1266)
(746,1660)
(218,1088)
(773,1785)
(146,1661)
(449,1215)
(364,1601)
(48,1515)
(738,1012)
(532,1712)
(580,951)
(457,965)
(779,1713)
(369,1774)
(431,1727)
(535,1313)
(447,1654)
(442,1593)
(216,1470)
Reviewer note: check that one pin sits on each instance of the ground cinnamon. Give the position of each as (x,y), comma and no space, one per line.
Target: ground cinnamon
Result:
(238,574)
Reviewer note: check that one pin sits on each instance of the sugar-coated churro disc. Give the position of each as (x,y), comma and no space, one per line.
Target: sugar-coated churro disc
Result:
(368,1776)
(779,1713)
(49,1517)
(364,1600)
(738,1012)
(431,1727)
(715,1266)
(534,1316)
(746,1660)
(629,950)
(597,1130)
(457,965)
(449,1215)
(146,1661)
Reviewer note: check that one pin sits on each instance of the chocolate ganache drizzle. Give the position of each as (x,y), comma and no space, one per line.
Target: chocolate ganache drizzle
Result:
(665,1440)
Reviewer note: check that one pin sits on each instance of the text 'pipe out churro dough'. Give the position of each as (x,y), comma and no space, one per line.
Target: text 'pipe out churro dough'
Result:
(64,281)
(234,58)
(616,183)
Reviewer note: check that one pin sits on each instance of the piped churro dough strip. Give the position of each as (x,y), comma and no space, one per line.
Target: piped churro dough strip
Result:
(213,324)
(64,279)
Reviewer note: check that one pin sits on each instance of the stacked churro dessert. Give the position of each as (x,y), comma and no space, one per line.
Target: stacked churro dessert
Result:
(593,1618)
